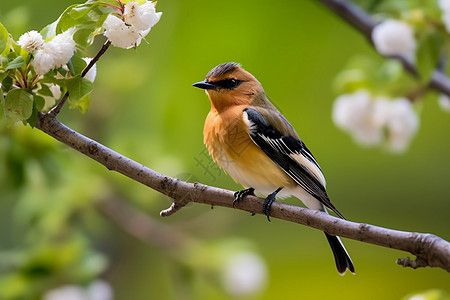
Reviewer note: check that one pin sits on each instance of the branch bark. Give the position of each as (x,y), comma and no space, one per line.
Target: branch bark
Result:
(364,23)
(429,249)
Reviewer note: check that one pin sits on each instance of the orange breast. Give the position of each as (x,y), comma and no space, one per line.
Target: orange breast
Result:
(228,141)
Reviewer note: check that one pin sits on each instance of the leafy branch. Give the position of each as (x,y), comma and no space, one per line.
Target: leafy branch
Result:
(365,24)
(56,110)
(429,249)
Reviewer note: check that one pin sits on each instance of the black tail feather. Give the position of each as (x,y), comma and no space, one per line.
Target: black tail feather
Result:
(343,261)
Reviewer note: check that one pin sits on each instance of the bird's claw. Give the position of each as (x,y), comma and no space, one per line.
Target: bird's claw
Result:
(268,204)
(239,195)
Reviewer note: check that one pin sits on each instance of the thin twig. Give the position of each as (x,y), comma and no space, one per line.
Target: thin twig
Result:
(141,226)
(364,23)
(96,58)
(56,110)
(430,250)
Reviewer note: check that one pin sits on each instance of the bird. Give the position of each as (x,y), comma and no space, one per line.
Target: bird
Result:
(250,139)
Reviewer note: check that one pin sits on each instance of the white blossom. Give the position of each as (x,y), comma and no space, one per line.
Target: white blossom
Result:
(445,7)
(367,118)
(51,100)
(245,274)
(92,73)
(136,24)
(380,114)
(55,53)
(65,46)
(392,37)
(120,34)
(354,113)
(44,59)
(98,290)
(444,102)
(418,297)
(68,292)
(142,17)
(31,41)
(402,124)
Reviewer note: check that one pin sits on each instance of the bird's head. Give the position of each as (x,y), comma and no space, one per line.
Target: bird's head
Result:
(229,84)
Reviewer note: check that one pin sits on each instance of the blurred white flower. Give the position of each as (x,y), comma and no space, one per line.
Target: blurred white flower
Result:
(367,119)
(54,53)
(380,113)
(445,7)
(92,73)
(444,102)
(31,41)
(432,294)
(67,292)
(402,124)
(138,20)
(418,297)
(392,37)
(98,290)
(245,274)
(353,113)
(142,17)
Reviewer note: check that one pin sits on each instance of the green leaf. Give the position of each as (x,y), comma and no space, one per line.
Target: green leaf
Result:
(4,61)
(7,83)
(3,75)
(15,63)
(45,90)
(3,38)
(78,87)
(351,80)
(49,30)
(76,65)
(428,53)
(82,105)
(18,104)
(39,102)
(88,19)
(62,71)
(2,105)
(33,118)
(81,10)
(140,2)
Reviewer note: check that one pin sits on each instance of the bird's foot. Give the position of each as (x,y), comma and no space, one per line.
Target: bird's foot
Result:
(268,203)
(239,195)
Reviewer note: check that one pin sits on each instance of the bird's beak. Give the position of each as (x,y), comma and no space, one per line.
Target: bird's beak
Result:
(205,85)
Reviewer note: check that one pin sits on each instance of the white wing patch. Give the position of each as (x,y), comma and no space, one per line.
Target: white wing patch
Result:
(311,167)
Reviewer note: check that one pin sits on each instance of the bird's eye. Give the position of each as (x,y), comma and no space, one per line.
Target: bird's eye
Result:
(229,83)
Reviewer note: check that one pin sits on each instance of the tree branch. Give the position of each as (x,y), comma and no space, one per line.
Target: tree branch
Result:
(56,110)
(430,250)
(364,23)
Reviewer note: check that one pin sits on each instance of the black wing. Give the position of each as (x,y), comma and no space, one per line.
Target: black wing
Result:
(281,149)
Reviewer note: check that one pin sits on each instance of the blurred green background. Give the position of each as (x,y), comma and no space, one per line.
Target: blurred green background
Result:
(144,107)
